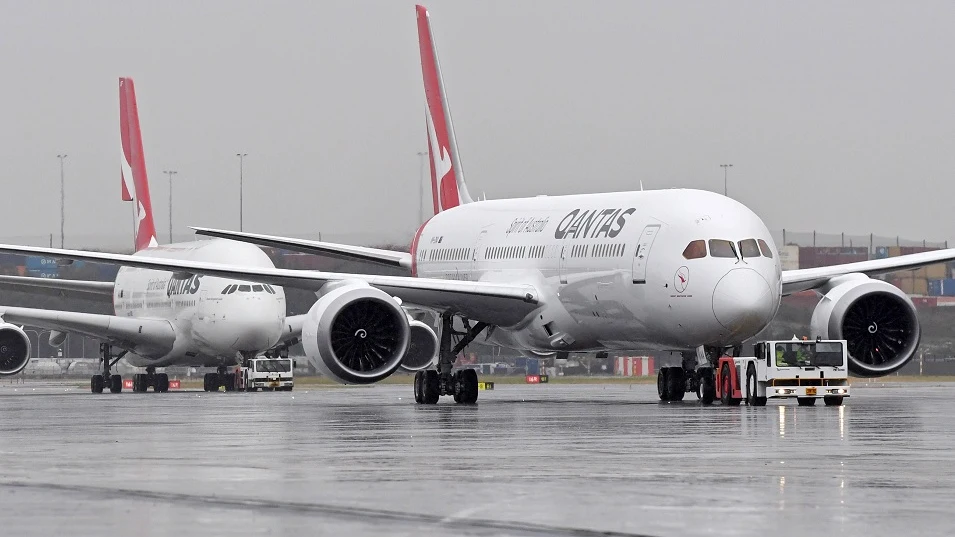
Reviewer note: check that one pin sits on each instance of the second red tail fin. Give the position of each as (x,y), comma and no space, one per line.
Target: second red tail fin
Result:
(135,183)
(447,175)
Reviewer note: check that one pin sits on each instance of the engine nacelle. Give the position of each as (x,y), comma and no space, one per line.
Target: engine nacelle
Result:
(15,349)
(355,333)
(423,349)
(877,320)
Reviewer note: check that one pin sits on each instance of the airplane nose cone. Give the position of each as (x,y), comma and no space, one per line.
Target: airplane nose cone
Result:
(743,302)
(258,326)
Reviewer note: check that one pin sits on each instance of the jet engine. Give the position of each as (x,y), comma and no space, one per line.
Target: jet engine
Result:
(355,333)
(14,349)
(423,349)
(877,320)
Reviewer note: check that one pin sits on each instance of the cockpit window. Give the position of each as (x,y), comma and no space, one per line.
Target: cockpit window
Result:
(257,289)
(245,288)
(721,248)
(229,289)
(695,250)
(763,247)
(269,289)
(749,248)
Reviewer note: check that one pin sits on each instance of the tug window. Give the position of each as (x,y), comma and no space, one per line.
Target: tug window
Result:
(763,247)
(695,250)
(749,248)
(721,248)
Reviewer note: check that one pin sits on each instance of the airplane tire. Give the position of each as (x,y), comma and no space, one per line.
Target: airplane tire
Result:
(162,383)
(418,381)
(806,401)
(115,384)
(96,384)
(430,388)
(229,382)
(468,392)
(662,383)
(706,391)
(676,383)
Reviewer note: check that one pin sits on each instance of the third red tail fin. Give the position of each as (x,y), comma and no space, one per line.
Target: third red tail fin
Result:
(135,184)
(447,175)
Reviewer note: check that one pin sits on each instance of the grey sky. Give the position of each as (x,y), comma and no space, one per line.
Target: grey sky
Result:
(837,116)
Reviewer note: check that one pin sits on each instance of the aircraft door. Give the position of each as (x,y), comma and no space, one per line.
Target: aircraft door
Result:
(562,262)
(203,309)
(476,254)
(642,253)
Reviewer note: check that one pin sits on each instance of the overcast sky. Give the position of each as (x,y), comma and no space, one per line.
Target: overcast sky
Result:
(836,116)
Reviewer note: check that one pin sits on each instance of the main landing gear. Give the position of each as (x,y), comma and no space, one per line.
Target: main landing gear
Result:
(430,385)
(695,374)
(159,382)
(222,378)
(106,380)
(141,381)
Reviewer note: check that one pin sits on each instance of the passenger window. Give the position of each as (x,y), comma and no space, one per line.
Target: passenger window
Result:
(245,288)
(257,289)
(695,250)
(763,247)
(720,248)
(749,248)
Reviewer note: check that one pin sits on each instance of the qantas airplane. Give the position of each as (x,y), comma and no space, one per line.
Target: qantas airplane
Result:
(676,270)
(164,318)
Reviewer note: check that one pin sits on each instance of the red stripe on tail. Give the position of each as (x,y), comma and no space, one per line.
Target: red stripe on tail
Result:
(444,177)
(135,183)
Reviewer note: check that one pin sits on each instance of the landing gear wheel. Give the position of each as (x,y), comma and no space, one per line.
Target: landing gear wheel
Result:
(663,383)
(418,382)
(430,387)
(676,383)
(162,383)
(138,383)
(726,388)
(229,382)
(806,401)
(751,387)
(706,390)
(115,384)
(96,384)
(207,382)
(466,391)
(832,400)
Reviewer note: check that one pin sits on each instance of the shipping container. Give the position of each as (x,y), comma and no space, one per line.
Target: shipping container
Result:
(936,272)
(912,286)
(533,366)
(943,287)
(812,257)
(925,301)
(881,252)
(35,262)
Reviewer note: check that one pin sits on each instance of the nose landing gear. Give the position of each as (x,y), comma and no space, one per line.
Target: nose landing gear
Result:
(222,378)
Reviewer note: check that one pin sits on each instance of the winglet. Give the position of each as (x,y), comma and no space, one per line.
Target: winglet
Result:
(135,183)
(447,175)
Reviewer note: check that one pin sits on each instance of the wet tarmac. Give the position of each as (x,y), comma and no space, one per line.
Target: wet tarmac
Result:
(527,460)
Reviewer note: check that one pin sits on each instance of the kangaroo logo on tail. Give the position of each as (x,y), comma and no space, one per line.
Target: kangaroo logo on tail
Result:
(447,176)
(133,167)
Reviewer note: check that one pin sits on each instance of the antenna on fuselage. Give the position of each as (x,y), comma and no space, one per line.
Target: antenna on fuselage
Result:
(641,185)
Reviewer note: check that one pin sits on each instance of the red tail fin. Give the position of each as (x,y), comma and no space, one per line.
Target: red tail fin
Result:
(135,183)
(447,175)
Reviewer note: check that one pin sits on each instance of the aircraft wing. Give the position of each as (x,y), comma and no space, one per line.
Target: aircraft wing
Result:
(153,335)
(358,253)
(813,278)
(498,304)
(100,291)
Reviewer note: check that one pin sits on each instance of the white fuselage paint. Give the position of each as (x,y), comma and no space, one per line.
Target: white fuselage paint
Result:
(597,290)
(212,328)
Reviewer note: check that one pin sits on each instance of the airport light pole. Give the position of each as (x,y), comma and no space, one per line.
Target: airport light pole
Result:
(170,173)
(725,168)
(241,159)
(421,155)
(62,157)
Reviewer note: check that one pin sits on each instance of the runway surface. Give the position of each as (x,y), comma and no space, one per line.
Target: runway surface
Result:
(526,460)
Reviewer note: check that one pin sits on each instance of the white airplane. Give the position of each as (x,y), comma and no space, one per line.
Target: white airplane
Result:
(162,318)
(679,270)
